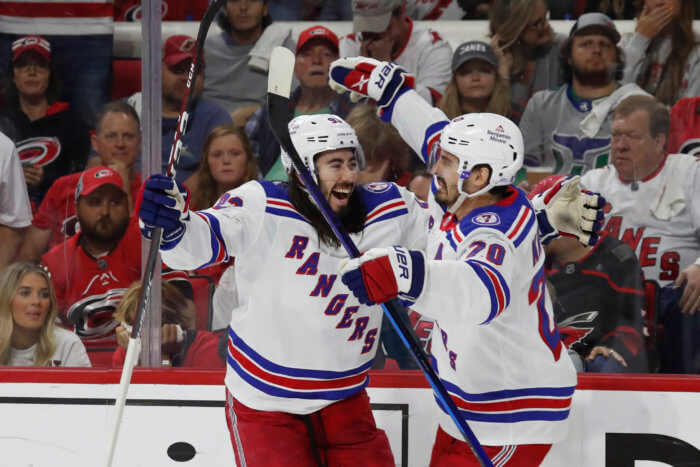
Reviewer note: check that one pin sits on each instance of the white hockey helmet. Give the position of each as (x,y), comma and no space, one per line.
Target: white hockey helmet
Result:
(314,134)
(484,138)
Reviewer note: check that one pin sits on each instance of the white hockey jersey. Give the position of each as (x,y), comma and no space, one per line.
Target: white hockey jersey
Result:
(298,340)
(495,343)
(426,55)
(660,220)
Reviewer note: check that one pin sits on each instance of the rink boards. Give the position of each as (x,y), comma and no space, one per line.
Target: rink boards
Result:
(61,418)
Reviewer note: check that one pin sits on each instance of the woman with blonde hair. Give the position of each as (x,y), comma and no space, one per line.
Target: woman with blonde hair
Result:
(29,335)
(476,84)
(181,344)
(663,54)
(227,162)
(528,48)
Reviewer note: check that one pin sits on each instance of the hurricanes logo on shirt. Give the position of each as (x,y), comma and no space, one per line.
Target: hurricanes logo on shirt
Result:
(39,151)
(92,316)
(574,329)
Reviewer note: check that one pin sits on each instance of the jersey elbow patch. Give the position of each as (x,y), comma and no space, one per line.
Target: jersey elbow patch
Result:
(495,284)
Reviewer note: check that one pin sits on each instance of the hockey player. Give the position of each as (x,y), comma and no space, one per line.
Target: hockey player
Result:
(497,348)
(568,129)
(310,400)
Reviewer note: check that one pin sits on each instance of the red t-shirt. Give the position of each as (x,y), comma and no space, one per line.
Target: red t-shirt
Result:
(57,210)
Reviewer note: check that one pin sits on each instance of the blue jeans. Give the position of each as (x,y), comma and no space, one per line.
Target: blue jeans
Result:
(679,351)
(84,65)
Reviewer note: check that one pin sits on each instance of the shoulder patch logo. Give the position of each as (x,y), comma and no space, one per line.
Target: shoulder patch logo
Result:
(378,187)
(488,218)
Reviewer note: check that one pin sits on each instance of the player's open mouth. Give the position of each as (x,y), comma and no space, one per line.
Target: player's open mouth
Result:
(342,192)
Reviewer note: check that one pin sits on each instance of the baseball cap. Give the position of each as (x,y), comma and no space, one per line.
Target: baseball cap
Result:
(545,184)
(178,48)
(32,42)
(317,31)
(473,50)
(92,179)
(598,21)
(372,15)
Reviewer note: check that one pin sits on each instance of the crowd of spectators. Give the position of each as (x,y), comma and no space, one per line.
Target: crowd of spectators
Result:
(622,110)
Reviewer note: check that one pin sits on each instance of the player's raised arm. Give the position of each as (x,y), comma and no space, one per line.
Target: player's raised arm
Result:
(418,123)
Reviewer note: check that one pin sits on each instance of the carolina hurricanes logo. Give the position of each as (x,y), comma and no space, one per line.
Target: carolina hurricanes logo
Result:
(92,316)
(134,13)
(488,218)
(103,173)
(39,151)
(573,330)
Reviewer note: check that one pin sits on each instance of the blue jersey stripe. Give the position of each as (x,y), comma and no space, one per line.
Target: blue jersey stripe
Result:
(387,216)
(280,392)
(267,365)
(489,286)
(525,231)
(286,213)
(217,242)
(502,282)
(510,393)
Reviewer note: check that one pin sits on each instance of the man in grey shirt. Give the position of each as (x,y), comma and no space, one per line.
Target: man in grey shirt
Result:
(568,129)
(238,58)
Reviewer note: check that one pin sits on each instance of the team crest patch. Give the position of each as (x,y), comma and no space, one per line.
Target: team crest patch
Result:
(378,187)
(488,218)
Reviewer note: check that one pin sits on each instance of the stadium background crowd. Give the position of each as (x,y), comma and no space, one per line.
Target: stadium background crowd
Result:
(71,138)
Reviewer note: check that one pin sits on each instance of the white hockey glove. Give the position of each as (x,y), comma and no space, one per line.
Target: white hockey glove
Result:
(367,77)
(565,209)
(381,274)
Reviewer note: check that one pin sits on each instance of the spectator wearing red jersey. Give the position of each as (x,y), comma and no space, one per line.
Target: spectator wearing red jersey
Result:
(91,270)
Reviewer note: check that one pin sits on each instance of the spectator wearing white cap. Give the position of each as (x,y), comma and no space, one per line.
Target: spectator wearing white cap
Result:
(316,49)
(569,129)
(476,84)
(382,30)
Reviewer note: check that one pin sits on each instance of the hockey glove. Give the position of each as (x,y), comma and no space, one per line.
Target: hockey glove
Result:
(381,274)
(565,209)
(164,203)
(366,77)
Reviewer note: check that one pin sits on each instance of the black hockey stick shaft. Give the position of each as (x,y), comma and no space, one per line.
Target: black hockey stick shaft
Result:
(134,346)
(278,110)
(175,149)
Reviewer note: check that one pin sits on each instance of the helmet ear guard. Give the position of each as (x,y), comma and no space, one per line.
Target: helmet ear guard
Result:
(316,134)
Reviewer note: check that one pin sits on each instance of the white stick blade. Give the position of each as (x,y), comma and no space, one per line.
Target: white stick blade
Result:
(279,78)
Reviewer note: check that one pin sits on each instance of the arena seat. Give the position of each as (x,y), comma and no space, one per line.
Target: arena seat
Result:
(126,78)
(203,287)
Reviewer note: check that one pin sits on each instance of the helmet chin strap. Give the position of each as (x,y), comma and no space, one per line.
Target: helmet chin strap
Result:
(463,195)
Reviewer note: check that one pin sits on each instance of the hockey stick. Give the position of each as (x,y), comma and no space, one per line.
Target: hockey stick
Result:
(134,348)
(278,88)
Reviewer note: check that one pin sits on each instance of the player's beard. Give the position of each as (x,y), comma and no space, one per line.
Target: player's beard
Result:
(351,216)
(443,196)
(104,230)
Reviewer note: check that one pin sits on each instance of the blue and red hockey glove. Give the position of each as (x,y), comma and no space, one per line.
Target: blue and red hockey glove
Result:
(381,274)
(164,203)
(366,77)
